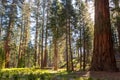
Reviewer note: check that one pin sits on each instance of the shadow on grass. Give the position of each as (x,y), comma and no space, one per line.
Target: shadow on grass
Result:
(37,74)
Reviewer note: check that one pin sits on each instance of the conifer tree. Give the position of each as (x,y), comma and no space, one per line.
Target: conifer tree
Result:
(103,55)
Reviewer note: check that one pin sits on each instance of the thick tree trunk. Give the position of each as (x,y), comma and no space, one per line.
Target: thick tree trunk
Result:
(26,27)
(7,40)
(55,55)
(103,55)
(7,43)
(8,35)
(7,54)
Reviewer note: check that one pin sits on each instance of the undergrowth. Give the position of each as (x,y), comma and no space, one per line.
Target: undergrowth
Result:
(38,74)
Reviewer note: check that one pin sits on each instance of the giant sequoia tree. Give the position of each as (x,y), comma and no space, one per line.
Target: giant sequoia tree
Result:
(10,14)
(103,54)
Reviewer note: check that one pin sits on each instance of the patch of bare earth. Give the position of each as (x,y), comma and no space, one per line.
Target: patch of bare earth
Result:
(99,75)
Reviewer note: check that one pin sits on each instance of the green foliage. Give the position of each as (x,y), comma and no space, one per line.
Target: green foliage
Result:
(24,74)
(85,25)
(57,19)
(21,62)
(38,74)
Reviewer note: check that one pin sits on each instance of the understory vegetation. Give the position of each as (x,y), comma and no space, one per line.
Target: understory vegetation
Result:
(44,74)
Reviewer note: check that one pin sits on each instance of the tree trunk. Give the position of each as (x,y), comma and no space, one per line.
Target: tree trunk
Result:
(7,42)
(46,37)
(80,48)
(80,58)
(55,54)
(84,49)
(67,55)
(20,48)
(42,55)
(70,50)
(8,36)
(42,46)
(39,49)
(36,42)
(103,55)
(46,53)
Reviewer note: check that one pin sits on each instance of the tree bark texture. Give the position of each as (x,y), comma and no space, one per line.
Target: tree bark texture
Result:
(36,42)
(70,50)
(43,25)
(45,51)
(55,55)
(103,55)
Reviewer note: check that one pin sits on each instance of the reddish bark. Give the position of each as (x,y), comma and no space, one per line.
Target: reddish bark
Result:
(103,54)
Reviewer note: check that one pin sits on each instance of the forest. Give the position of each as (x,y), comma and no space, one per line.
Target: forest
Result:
(59,39)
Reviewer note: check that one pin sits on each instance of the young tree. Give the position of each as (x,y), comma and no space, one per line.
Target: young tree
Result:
(70,23)
(85,33)
(48,3)
(57,26)
(43,31)
(37,30)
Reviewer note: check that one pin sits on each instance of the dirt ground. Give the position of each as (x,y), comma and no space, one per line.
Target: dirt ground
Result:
(100,75)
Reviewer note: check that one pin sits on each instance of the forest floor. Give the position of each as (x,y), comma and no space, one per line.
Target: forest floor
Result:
(38,74)
(96,75)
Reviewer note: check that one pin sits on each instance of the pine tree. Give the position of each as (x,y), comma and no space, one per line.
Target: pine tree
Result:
(24,35)
(37,31)
(9,31)
(57,21)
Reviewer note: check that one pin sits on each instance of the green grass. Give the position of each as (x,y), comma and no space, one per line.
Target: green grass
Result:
(38,74)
